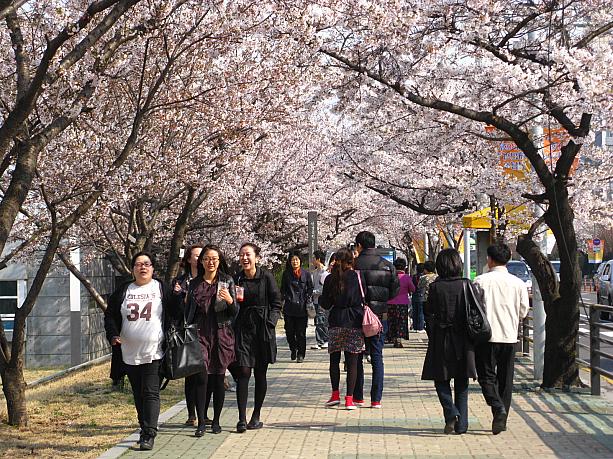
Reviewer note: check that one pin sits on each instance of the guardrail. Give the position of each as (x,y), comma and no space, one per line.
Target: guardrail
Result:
(595,325)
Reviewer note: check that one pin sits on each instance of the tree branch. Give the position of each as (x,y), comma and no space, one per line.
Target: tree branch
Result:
(84,281)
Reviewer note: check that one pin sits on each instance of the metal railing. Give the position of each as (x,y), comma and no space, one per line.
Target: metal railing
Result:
(595,326)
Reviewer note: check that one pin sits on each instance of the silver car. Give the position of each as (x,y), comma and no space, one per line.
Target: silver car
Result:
(520,269)
(602,281)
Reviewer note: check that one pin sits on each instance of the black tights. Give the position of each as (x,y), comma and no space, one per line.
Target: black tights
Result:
(352,370)
(198,383)
(242,375)
(215,388)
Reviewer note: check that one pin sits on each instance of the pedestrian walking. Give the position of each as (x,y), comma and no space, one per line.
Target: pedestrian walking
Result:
(321,319)
(260,303)
(450,353)
(381,284)
(419,271)
(180,285)
(212,303)
(506,303)
(428,276)
(398,307)
(342,296)
(297,291)
(134,319)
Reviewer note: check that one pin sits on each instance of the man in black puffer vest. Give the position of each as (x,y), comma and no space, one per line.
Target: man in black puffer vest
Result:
(381,284)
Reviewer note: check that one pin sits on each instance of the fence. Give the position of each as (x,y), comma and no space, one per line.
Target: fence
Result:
(595,325)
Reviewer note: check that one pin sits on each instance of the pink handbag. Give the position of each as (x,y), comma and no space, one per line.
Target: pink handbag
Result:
(371,325)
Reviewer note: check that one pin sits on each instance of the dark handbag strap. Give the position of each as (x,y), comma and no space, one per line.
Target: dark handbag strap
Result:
(361,288)
(190,310)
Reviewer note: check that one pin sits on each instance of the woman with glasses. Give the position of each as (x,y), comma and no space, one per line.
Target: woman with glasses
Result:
(134,319)
(256,345)
(181,285)
(211,301)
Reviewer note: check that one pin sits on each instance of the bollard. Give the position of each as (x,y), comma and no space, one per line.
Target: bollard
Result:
(526,336)
(538,330)
(594,348)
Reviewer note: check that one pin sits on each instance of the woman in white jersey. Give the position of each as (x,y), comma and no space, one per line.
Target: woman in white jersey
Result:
(135,319)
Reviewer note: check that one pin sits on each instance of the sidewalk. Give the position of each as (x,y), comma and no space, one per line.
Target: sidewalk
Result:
(410,424)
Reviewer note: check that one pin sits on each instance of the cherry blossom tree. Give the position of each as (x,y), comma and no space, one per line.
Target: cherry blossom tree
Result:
(517,67)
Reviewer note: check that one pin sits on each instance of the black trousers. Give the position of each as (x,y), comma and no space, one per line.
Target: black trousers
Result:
(145,382)
(495,368)
(295,331)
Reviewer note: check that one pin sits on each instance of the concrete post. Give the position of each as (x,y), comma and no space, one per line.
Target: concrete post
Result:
(466,238)
(538,323)
(75,311)
(312,235)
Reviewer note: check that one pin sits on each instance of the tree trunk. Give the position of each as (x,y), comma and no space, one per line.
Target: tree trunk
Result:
(560,299)
(562,325)
(14,388)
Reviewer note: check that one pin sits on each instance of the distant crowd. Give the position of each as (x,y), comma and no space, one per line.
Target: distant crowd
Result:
(235,317)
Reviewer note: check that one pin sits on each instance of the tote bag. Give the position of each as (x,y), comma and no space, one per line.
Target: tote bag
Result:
(371,325)
(183,355)
(478,327)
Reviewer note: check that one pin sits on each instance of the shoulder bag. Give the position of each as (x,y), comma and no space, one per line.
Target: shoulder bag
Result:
(477,325)
(183,354)
(371,325)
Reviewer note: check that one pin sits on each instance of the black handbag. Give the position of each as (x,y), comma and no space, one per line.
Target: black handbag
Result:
(477,325)
(183,355)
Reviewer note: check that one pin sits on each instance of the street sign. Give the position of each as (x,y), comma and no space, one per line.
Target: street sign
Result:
(595,249)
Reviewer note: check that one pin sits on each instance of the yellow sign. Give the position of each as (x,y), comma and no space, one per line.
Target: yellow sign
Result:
(482,219)
(553,141)
(512,159)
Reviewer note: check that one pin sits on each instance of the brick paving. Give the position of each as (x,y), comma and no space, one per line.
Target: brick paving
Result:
(297,425)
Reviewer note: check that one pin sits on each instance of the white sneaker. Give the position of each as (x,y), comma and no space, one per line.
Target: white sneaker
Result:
(324,345)
(316,347)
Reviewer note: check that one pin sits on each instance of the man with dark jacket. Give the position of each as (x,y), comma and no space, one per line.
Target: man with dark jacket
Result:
(381,285)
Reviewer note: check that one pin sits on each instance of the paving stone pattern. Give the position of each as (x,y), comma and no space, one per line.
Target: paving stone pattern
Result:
(297,425)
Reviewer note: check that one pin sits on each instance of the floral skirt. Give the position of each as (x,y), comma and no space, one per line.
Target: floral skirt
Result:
(398,321)
(345,340)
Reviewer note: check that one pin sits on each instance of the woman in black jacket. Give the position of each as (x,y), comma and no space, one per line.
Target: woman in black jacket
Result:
(297,291)
(256,345)
(450,353)
(211,301)
(137,315)
(342,296)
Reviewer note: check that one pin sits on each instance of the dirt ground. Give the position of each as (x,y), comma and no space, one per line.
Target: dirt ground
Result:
(76,416)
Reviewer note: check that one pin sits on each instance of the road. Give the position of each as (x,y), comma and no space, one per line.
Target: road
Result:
(605,363)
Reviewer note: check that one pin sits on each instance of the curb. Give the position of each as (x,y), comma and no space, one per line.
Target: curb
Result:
(127,442)
(67,371)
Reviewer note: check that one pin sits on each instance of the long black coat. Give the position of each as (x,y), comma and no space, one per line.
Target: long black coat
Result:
(258,314)
(450,353)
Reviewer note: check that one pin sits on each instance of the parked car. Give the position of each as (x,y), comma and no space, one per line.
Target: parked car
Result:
(602,282)
(556,268)
(520,269)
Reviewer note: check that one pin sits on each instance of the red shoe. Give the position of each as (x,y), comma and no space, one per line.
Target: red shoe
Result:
(358,402)
(335,399)
(375,405)
(349,403)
